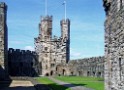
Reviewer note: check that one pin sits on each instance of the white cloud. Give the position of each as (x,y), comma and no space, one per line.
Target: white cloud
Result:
(74,53)
(29,48)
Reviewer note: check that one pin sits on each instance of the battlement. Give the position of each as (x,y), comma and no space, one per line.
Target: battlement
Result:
(93,66)
(91,59)
(11,50)
(2,5)
(46,18)
(65,21)
(106,4)
(21,60)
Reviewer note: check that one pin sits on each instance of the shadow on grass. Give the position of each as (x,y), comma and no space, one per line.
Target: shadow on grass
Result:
(59,87)
(5,86)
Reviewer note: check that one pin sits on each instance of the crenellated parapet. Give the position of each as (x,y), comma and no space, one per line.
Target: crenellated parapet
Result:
(19,51)
(52,51)
(99,58)
(93,66)
(21,60)
(46,18)
(107,4)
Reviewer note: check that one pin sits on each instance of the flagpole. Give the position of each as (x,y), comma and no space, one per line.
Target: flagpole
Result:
(46,9)
(65,9)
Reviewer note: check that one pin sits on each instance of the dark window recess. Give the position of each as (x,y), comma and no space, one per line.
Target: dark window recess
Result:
(46,48)
(120,67)
(52,65)
(121,3)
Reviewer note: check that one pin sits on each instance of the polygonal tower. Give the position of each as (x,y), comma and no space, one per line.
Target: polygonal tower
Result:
(114,45)
(65,34)
(43,44)
(46,28)
(3,40)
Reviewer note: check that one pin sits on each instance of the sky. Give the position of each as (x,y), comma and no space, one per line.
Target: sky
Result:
(87,24)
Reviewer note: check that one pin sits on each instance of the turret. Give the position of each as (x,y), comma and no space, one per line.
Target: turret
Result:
(65,34)
(106,4)
(65,28)
(45,28)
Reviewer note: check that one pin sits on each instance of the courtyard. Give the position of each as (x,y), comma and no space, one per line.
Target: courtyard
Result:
(73,83)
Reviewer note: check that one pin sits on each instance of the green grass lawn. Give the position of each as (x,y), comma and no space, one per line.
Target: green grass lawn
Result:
(91,82)
(51,84)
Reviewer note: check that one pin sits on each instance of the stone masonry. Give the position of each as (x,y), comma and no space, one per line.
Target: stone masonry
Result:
(114,44)
(3,41)
(52,51)
(93,67)
(22,63)
(52,54)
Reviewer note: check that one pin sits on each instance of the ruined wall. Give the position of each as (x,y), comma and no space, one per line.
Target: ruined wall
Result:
(3,41)
(114,44)
(83,67)
(22,63)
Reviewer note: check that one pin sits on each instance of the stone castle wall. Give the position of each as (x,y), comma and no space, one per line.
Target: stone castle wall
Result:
(93,67)
(52,51)
(22,63)
(114,44)
(3,41)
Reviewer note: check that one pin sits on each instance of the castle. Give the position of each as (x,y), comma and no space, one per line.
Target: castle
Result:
(52,51)
(51,56)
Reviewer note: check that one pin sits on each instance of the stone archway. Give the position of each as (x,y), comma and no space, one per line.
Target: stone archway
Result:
(47,74)
(99,74)
(72,73)
(79,73)
(88,73)
(63,72)
(56,68)
(51,73)
(94,74)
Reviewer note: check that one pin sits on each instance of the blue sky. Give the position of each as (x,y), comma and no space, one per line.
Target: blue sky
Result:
(87,24)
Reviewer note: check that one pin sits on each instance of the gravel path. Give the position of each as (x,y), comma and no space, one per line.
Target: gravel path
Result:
(20,85)
(73,87)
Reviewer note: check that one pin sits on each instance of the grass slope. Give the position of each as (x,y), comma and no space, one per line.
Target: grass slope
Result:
(90,82)
(51,84)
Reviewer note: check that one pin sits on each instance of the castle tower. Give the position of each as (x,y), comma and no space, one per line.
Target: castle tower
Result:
(114,45)
(52,51)
(65,34)
(45,28)
(3,40)
(43,44)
